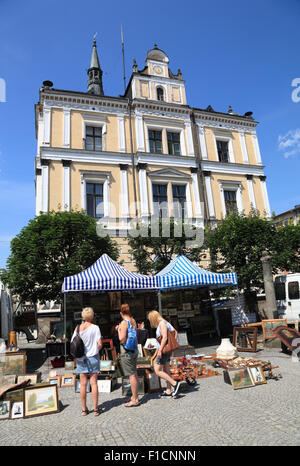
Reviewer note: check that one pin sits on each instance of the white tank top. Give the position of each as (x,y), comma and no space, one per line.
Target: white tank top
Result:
(158,330)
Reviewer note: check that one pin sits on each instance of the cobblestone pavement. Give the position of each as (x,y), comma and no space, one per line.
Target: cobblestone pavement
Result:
(211,414)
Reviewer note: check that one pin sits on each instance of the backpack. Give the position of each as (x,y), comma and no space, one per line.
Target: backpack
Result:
(131,342)
(77,345)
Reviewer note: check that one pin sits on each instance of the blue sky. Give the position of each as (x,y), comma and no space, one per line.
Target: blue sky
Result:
(233,52)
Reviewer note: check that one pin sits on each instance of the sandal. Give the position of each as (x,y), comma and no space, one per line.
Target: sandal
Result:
(97,411)
(84,412)
(131,404)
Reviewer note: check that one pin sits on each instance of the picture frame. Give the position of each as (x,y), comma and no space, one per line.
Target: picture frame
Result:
(187,306)
(257,374)
(17,410)
(69,365)
(269,325)
(40,400)
(77,315)
(104,386)
(9,379)
(173,311)
(13,363)
(68,380)
(106,365)
(5,409)
(245,339)
(115,300)
(240,378)
(154,384)
(182,339)
(140,351)
(55,380)
(77,386)
(34,378)
(289,336)
(126,388)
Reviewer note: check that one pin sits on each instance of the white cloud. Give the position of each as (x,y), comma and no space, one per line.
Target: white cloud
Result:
(289,143)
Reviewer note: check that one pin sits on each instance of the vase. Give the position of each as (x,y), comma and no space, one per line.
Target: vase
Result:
(226,350)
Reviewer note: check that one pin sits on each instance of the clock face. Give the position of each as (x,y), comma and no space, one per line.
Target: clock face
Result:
(157,69)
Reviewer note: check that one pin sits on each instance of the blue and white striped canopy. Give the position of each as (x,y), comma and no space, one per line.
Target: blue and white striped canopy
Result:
(106,275)
(182,273)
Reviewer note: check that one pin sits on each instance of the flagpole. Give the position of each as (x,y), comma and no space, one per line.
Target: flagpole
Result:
(123,54)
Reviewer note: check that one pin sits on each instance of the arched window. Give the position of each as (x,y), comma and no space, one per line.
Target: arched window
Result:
(160,93)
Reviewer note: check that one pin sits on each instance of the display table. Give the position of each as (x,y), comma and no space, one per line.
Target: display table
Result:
(57,349)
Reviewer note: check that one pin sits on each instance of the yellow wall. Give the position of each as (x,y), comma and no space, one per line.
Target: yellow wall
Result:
(210,144)
(76,130)
(56,139)
(250,149)
(56,185)
(237,149)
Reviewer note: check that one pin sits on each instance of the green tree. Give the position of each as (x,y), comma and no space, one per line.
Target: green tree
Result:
(237,245)
(286,246)
(158,243)
(52,246)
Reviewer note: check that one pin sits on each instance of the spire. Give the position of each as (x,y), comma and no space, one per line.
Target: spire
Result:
(95,73)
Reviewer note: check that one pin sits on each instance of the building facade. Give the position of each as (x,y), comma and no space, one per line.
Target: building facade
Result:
(145,153)
(290,217)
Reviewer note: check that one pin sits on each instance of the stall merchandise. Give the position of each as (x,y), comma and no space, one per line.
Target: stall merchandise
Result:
(191,369)
(239,363)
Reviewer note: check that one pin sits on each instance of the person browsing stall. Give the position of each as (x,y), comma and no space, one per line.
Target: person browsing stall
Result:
(129,353)
(162,361)
(89,364)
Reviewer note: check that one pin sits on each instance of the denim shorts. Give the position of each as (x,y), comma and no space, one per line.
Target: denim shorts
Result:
(163,360)
(88,365)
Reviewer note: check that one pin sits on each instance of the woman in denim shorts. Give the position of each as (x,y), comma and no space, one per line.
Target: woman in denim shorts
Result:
(89,364)
(162,361)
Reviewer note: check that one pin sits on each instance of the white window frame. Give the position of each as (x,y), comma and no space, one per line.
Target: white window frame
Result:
(98,178)
(165,88)
(94,124)
(231,157)
(169,183)
(231,186)
(164,129)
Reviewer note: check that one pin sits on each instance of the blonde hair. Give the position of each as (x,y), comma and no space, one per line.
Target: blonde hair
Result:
(88,314)
(154,318)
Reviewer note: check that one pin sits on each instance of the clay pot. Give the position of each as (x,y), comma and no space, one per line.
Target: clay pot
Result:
(226,350)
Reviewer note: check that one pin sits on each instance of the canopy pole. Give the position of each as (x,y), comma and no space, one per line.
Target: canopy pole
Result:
(159,300)
(65,323)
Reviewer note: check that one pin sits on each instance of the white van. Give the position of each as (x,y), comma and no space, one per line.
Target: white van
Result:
(287,291)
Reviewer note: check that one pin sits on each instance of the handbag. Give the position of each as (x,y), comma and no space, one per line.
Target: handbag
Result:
(171,345)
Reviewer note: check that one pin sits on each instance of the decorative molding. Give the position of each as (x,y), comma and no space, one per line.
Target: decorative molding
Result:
(66,127)
(232,168)
(66,163)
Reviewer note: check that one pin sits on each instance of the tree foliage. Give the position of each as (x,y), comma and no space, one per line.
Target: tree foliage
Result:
(238,242)
(159,243)
(52,246)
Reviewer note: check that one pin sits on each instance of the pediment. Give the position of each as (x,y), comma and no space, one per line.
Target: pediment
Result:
(168,172)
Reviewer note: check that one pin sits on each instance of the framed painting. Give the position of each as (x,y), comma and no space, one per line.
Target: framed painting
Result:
(69,365)
(245,339)
(13,363)
(257,375)
(126,388)
(17,410)
(240,378)
(34,378)
(40,400)
(104,386)
(77,386)
(115,300)
(289,336)
(269,325)
(5,409)
(56,380)
(68,380)
(106,365)
(153,380)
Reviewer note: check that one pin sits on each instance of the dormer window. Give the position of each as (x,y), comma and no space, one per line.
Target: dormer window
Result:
(160,93)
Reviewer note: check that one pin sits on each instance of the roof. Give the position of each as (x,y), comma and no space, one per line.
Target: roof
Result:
(182,273)
(106,275)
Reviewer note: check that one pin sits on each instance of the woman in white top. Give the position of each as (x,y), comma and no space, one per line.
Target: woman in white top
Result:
(89,363)
(162,361)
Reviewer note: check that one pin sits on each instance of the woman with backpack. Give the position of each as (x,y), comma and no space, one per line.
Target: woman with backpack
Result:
(89,363)
(162,361)
(129,353)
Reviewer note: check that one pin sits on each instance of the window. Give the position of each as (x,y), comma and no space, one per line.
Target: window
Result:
(293,288)
(179,199)
(230,202)
(160,93)
(155,141)
(173,143)
(94,200)
(160,200)
(222,147)
(280,291)
(93,138)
